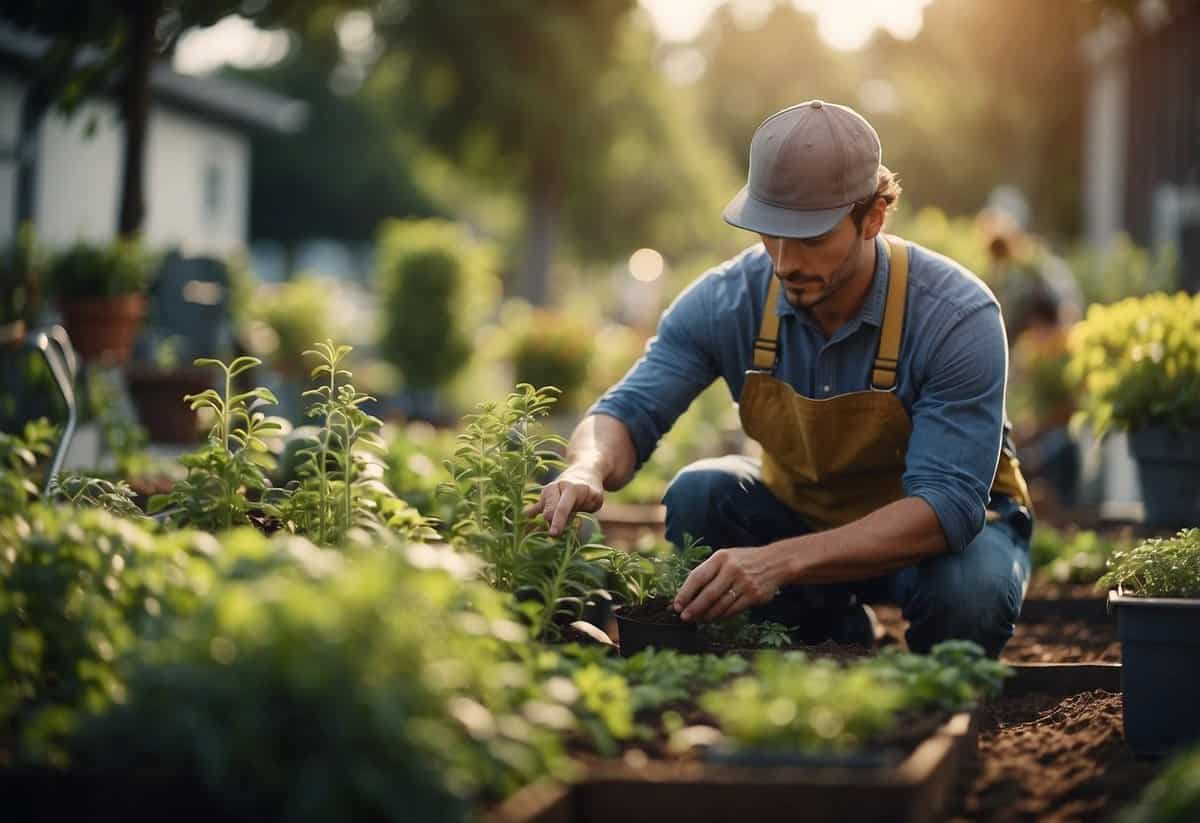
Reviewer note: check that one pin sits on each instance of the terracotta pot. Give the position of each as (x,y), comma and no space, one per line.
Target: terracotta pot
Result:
(158,395)
(104,328)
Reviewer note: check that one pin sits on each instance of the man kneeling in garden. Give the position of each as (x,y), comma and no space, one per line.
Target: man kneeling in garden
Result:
(872,373)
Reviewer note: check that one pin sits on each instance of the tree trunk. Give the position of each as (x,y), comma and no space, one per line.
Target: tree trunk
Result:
(542,225)
(141,17)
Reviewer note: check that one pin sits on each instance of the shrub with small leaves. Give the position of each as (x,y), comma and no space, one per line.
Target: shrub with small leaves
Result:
(19,459)
(113,496)
(1158,567)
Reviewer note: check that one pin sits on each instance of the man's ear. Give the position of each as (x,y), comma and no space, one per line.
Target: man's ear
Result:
(873,219)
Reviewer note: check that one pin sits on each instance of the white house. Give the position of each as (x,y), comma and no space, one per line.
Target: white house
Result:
(197,158)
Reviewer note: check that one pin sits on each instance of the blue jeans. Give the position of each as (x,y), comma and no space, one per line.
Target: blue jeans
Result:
(973,595)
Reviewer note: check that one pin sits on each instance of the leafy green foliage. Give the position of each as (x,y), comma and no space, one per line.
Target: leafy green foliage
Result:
(1158,567)
(495,471)
(286,319)
(740,631)
(340,486)
(95,492)
(660,677)
(955,675)
(235,459)
(437,283)
(365,684)
(76,586)
(1138,363)
(1071,557)
(657,571)
(791,703)
(550,348)
(1173,797)
(416,457)
(19,458)
(87,271)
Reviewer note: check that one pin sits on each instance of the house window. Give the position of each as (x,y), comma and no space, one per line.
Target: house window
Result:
(214,191)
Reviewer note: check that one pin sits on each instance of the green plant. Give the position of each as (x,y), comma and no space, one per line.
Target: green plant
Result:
(76,587)
(374,685)
(19,457)
(1076,557)
(495,471)
(339,486)
(1138,363)
(234,461)
(416,457)
(94,492)
(552,349)
(790,703)
(954,676)
(287,318)
(21,265)
(1158,567)
(742,632)
(1173,797)
(1122,269)
(86,271)
(661,677)
(437,284)
(658,571)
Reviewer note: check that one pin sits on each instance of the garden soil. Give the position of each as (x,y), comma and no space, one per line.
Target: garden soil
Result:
(1053,759)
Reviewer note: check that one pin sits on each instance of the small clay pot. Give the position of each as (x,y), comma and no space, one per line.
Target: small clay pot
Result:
(104,328)
(158,395)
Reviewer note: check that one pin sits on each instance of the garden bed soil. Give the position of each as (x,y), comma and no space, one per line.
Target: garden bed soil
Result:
(1051,758)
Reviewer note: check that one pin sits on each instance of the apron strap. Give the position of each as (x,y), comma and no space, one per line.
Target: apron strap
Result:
(766,345)
(883,376)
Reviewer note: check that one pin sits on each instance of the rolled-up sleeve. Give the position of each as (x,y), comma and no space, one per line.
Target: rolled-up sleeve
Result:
(677,365)
(958,424)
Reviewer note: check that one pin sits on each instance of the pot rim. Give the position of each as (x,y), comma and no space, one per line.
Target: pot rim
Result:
(1117,597)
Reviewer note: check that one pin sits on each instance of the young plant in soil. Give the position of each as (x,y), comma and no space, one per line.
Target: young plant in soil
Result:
(496,470)
(340,486)
(1158,567)
(235,460)
(650,580)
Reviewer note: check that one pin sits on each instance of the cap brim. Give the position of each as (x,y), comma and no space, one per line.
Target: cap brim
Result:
(745,212)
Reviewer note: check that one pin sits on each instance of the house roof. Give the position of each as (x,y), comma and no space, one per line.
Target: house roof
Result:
(219,99)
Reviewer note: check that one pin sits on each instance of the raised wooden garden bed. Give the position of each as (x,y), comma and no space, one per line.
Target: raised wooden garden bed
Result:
(918,788)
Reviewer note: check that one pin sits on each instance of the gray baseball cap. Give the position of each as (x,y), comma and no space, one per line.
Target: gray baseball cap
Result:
(809,165)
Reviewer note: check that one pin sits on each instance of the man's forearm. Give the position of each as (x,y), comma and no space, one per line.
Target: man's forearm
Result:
(602,445)
(897,535)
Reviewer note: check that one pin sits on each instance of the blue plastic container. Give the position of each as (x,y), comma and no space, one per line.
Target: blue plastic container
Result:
(1160,671)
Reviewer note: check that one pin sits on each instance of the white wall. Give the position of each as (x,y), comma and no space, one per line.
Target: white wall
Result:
(1105,134)
(197,178)
(10,117)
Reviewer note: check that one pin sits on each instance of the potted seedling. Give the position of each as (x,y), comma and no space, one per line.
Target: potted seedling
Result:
(1138,362)
(1155,594)
(101,292)
(651,581)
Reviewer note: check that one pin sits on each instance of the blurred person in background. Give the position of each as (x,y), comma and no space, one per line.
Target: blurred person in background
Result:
(1040,300)
(872,373)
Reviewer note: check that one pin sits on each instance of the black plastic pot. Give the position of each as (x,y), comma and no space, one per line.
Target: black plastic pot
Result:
(1160,670)
(1168,465)
(637,635)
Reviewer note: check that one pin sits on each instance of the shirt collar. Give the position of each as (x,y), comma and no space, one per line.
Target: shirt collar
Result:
(872,308)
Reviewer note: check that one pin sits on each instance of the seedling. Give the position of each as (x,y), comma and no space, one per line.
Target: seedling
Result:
(94,492)
(235,459)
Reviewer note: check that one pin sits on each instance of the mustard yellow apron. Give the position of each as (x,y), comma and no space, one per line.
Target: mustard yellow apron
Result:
(838,459)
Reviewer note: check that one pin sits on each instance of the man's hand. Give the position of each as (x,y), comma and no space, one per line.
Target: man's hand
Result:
(731,581)
(575,490)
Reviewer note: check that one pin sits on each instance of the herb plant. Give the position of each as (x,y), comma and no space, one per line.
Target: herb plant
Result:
(233,462)
(1158,567)
(658,572)
(95,492)
(495,471)
(86,271)
(19,458)
(1063,557)
(955,675)
(340,485)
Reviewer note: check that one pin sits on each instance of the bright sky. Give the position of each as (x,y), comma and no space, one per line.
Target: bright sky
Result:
(843,24)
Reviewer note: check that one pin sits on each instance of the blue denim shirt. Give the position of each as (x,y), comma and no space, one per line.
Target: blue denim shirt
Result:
(951,377)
